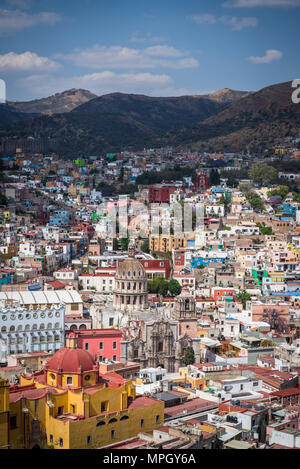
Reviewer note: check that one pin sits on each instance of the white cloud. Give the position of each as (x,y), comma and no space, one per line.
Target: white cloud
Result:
(206,18)
(22,4)
(135,38)
(270,56)
(117,57)
(260,3)
(99,83)
(16,20)
(26,62)
(236,24)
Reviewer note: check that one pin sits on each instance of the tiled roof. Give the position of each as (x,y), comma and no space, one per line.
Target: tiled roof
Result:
(143,401)
(286,392)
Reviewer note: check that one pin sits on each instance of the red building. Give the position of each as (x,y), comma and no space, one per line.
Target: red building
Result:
(86,227)
(202,182)
(153,267)
(160,194)
(100,343)
(156,267)
(178,259)
(219,294)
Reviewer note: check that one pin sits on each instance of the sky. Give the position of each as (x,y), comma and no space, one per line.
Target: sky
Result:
(157,47)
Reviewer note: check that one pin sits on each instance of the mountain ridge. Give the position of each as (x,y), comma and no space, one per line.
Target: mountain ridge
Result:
(116,121)
(54,104)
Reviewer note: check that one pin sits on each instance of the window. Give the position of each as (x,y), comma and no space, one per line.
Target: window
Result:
(74,307)
(104,406)
(157,419)
(50,438)
(142,423)
(112,434)
(114,358)
(13,423)
(111,321)
(86,346)
(61,442)
(69,380)
(114,345)
(88,440)
(100,345)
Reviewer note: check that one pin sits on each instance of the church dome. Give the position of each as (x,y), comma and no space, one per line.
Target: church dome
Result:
(131,269)
(131,290)
(70,360)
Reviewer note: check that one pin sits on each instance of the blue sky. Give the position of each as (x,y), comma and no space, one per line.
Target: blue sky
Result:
(158,48)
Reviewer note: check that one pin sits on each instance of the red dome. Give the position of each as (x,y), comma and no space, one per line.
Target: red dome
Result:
(70,360)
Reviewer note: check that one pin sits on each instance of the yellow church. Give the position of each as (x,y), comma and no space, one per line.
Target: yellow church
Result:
(69,405)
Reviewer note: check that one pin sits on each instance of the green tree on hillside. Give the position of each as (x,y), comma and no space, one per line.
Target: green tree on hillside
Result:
(189,356)
(214,177)
(263,173)
(243,297)
(159,285)
(174,287)
(145,246)
(124,243)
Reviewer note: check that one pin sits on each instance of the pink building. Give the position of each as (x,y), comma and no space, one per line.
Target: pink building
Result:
(100,343)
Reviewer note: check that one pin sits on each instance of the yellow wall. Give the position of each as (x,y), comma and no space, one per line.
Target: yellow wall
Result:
(4,412)
(74,433)
(101,436)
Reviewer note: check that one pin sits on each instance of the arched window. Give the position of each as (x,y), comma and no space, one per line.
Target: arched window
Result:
(99,424)
(82,326)
(113,420)
(49,325)
(3,329)
(42,326)
(125,417)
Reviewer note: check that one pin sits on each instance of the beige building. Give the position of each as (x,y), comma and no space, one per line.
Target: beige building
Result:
(131,292)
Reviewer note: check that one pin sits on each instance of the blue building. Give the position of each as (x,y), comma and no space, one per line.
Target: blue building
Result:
(60,218)
(199,261)
(216,190)
(5,277)
(32,330)
(288,209)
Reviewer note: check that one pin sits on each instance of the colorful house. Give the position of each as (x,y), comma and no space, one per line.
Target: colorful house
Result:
(70,405)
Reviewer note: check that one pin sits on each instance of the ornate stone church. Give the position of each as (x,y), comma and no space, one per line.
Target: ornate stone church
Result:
(154,338)
(163,342)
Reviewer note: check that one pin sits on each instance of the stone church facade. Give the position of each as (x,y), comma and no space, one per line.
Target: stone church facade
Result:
(163,342)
